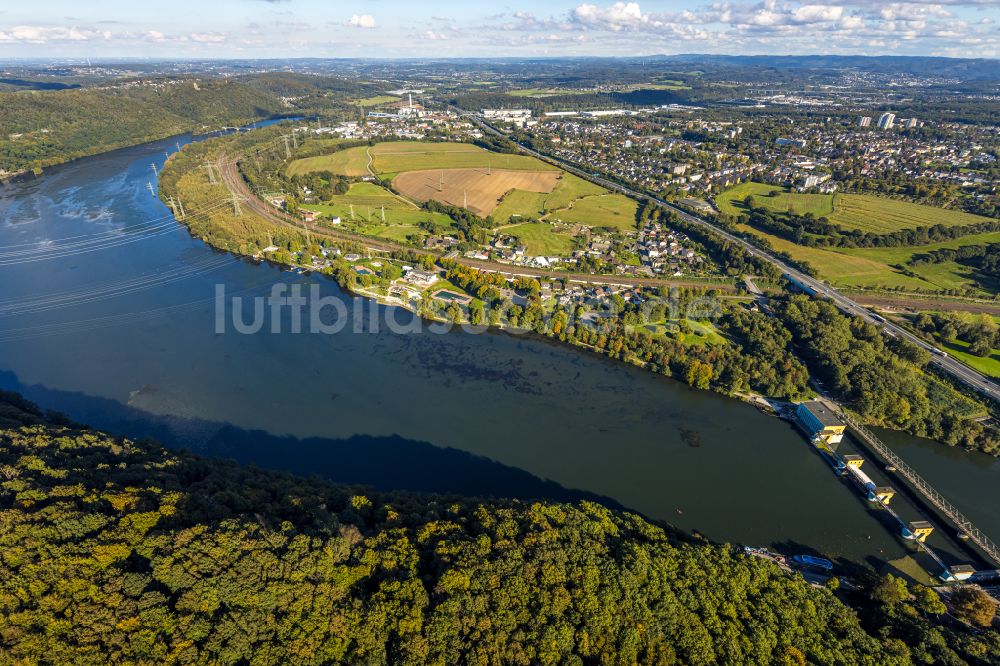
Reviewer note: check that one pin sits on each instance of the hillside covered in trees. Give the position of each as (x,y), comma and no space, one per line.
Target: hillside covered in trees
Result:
(114,551)
(42,128)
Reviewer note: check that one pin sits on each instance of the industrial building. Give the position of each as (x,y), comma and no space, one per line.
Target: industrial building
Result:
(918,530)
(823,427)
(852,466)
(518,117)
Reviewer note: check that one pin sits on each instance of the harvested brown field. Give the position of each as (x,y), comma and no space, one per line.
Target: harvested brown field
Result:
(483,188)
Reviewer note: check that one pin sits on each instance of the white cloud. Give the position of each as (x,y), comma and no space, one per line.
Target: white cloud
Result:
(816,13)
(909,11)
(619,16)
(851,23)
(33,34)
(366,21)
(208,37)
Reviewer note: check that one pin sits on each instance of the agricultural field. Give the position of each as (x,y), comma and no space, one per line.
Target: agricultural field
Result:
(534,205)
(605,210)
(541,239)
(394,157)
(478,190)
(881,215)
(863,212)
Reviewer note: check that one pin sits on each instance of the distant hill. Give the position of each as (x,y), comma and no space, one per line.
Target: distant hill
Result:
(965,68)
(42,128)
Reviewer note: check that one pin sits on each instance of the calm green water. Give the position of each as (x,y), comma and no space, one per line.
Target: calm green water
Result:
(123,337)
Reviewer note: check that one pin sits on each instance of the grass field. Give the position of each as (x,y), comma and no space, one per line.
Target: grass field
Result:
(399,233)
(373,215)
(662,85)
(989,365)
(397,157)
(730,202)
(394,157)
(873,267)
(606,210)
(569,189)
(849,211)
(520,204)
(350,162)
(702,333)
(540,239)
(367,201)
(377,100)
(478,190)
(369,194)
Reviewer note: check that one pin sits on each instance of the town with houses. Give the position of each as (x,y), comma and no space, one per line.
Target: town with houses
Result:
(671,151)
(690,157)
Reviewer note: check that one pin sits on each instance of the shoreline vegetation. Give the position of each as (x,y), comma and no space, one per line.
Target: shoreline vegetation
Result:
(754,362)
(118,551)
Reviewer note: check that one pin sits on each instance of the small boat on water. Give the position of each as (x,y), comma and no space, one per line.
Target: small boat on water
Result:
(813,562)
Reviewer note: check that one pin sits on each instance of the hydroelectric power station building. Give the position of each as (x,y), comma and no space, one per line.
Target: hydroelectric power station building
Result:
(821,425)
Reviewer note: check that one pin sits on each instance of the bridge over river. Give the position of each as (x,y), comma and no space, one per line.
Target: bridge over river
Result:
(926,490)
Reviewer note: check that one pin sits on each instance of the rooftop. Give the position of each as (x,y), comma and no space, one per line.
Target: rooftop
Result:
(822,413)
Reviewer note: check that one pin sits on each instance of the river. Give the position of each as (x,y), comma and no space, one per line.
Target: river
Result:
(107,314)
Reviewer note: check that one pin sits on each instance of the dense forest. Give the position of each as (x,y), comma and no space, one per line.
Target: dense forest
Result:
(114,551)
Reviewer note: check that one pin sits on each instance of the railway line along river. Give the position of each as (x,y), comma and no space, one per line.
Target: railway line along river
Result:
(107,314)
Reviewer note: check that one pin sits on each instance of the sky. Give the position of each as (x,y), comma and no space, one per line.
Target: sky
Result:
(181,29)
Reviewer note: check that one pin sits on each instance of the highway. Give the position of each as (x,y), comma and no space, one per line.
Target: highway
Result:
(955,368)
